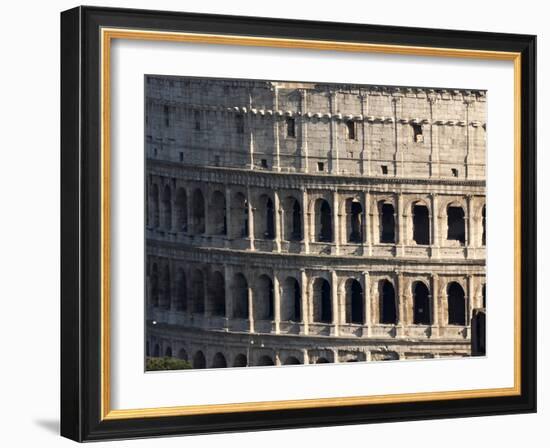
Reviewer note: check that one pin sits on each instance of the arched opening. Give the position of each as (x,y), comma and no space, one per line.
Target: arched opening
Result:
(197,291)
(354,213)
(155,212)
(239,217)
(263,300)
(354,302)
(219,361)
(483,224)
(166,297)
(291,360)
(181,291)
(155,285)
(323,221)
(264,218)
(456,230)
(216,215)
(199,361)
(198,212)
(322,361)
(182,354)
(156,351)
(421,224)
(322,301)
(296,221)
(240,297)
(387,223)
(293,219)
(168,352)
(265,361)
(167,208)
(292,301)
(388,307)
(456,304)
(216,294)
(269,220)
(422,314)
(478,333)
(181,210)
(240,361)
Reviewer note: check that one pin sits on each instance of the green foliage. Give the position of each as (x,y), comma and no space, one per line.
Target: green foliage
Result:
(166,363)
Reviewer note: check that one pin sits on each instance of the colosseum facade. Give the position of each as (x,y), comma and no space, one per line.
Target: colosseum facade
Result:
(302,223)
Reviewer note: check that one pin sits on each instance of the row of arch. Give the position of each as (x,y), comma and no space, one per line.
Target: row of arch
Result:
(185,213)
(219,360)
(199,360)
(206,294)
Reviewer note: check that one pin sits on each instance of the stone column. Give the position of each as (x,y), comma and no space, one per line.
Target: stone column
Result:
(305,301)
(189,201)
(227,215)
(334,156)
(277,218)
(367,318)
(467,102)
(174,217)
(365,160)
(435,303)
(305,354)
(250,219)
(435,226)
(335,222)
(305,221)
(207,310)
(364,224)
(335,302)
(398,155)
(434,153)
(276,303)
(400,295)
(400,241)
(277,161)
(248,120)
(250,309)
(469,299)
(303,149)
(373,224)
(468,226)
(206,207)
(228,274)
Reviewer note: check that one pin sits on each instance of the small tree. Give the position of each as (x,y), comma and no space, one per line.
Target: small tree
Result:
(166,363)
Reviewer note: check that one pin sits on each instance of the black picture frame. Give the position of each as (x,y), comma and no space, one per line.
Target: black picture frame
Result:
(81,382)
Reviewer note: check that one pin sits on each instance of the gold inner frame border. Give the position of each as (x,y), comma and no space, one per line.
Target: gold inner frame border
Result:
(107,36)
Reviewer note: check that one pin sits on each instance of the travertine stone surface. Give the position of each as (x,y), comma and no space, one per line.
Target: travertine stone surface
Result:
(292,222)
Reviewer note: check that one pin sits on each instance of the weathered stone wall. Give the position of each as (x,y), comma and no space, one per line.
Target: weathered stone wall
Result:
(277,212)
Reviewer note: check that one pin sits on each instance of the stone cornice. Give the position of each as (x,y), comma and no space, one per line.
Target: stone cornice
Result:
(313,116)
(275,260)
(273,179)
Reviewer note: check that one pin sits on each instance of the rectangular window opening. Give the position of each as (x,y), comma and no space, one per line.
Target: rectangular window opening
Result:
(351,129)
(290,127)
(417,130)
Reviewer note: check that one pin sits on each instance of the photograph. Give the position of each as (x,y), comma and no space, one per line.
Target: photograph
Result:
(302,222)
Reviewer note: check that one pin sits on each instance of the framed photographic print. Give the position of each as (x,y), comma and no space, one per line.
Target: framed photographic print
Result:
(274,223)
